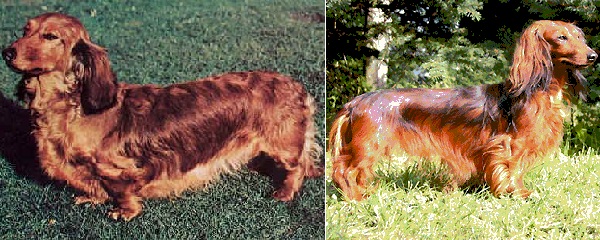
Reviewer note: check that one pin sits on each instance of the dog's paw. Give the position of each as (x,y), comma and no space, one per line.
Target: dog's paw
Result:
(522,193)
(313,172)
(125,214)
(284,195)
(88,199)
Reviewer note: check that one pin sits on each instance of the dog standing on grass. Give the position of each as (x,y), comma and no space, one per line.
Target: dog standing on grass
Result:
(494,132)
(126,142)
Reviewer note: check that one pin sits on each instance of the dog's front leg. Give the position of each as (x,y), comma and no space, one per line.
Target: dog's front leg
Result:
(123,179)
(74,171)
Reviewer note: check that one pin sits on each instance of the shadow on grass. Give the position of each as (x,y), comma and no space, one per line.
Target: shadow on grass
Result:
(267,166)
(332,189)
(423,174)
(428,174)
(17,145)
(308,16)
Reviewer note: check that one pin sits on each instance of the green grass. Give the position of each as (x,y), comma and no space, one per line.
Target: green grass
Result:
(166,42)
(564,205)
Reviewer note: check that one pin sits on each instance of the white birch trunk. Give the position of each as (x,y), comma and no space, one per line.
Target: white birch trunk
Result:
(377,68)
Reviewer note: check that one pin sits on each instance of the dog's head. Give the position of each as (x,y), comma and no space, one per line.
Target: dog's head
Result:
(550,50)
(58,42)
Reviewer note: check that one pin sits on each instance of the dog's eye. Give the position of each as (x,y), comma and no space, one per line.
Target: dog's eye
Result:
(562,38)
(49,36)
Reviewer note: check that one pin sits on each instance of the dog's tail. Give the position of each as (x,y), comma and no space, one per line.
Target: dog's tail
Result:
(312,150)
(338,133)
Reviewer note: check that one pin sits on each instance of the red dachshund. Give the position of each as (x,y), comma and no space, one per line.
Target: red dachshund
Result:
(491,132)
(125,142)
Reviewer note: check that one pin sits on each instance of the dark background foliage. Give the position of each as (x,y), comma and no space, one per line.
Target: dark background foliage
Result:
(441,43)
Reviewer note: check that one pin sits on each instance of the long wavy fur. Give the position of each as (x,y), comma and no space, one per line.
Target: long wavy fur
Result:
(490,132)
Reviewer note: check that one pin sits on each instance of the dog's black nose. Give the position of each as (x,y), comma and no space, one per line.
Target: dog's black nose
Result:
(9,54)
(592,57)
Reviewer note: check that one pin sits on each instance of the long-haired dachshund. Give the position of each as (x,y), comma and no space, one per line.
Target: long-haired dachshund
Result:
(491,132)
(126,142)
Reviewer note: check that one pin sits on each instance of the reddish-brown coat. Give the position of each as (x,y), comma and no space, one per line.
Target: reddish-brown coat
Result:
(492,132)
(127,142)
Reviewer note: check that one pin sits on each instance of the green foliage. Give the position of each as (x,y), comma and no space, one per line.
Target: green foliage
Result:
(450,11)
(343,83)
(457,62)
(582,129)
(549,9)
(348,36)
(416,30)
(439,44)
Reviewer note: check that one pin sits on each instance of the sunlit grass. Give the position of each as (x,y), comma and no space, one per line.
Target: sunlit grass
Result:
(564,206)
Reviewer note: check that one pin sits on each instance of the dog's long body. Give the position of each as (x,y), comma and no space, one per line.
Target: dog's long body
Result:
(126,142)
(159,141)
(492,132)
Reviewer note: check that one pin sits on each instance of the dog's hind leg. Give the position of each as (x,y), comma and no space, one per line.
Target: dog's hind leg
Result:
(291,142)
(292,182)
(353,169)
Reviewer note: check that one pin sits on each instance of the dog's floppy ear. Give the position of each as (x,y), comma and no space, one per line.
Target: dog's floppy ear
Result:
(98,82)
(532,64)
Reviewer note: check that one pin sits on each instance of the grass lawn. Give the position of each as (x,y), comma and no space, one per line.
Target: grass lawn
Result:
(408,204)
(166,42)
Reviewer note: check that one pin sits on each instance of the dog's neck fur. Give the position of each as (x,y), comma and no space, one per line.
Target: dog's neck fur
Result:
(56,96)
(62,96)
